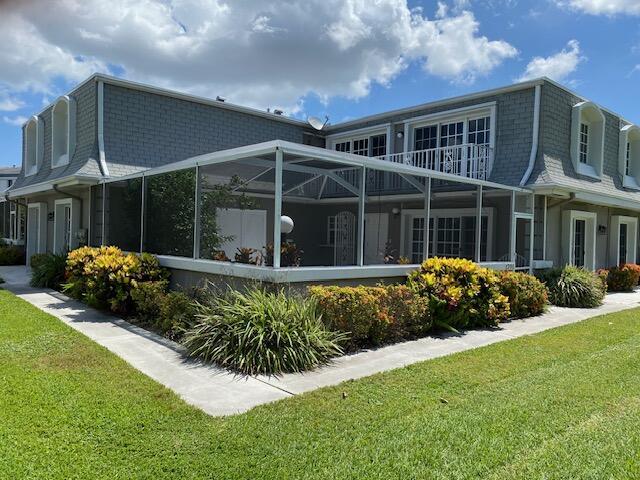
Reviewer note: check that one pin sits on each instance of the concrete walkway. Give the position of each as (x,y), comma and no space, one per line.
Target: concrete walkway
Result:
(218,392)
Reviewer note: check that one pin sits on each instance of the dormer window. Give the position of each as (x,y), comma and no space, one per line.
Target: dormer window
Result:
(629,156)
(62,132)
(587,139)
(33,145)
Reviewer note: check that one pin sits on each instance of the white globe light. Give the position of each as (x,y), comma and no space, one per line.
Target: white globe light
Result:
(286,224)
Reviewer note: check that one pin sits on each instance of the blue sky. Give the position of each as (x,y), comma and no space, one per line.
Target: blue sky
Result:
(342,58)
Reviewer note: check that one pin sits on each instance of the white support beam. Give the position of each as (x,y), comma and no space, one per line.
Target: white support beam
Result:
(277,211)
(544,228)
(324,184)
(512,236)
(104,216)
(196,220)
(478,224)
(533,232)
(142,207)
(294,188)
(252,179)
(427,216)
(361,205)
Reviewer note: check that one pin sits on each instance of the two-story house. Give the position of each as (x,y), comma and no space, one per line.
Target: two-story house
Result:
(525,176)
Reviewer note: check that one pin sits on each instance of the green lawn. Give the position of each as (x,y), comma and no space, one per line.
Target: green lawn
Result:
(561,404)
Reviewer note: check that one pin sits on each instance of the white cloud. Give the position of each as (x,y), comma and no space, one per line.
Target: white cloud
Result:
(557,67)
(10,104)
(15,121)
(252,52)
(602,7)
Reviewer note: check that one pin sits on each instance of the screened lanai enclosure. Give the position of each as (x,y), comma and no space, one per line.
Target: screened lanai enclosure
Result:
(290,212)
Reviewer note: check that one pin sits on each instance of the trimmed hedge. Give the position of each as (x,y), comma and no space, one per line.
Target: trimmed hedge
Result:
(621,279)
(527,295)
(373,316)
(461,294)
(11,255)
(574,287)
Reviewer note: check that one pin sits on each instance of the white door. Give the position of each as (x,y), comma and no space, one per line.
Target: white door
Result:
(246,229)
(376,235)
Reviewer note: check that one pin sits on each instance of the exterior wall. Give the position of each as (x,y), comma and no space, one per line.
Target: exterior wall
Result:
(86,149)
(514,130)
(144,130)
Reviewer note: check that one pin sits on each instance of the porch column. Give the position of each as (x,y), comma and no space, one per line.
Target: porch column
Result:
(277,210)
(544,228)
(196,220)
(512,236)
(142,196)
(427,216)
(104,217)
(361,205)
(533,231)
(478,252)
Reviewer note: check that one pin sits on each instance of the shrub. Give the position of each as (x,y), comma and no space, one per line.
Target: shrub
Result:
(372,316)
(260,332)
(622,279)
(105,276)
(170,313)
(527,295)
(635,268)
(11,255)
(246,255)
(48,270)
(574,287)
(461,294)
(290,255)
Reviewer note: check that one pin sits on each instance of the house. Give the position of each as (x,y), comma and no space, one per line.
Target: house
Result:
(10,230)
(526,176)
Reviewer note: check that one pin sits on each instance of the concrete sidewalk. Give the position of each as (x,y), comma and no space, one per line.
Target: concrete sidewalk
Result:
(218,392)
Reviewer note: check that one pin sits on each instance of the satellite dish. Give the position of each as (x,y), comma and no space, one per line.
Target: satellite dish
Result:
(316,123)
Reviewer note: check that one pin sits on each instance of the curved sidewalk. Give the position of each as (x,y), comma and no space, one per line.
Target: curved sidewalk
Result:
(218,392)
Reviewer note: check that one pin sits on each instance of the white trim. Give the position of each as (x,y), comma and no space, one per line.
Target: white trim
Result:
(373,130)
(59,159)
(597,128)
(632,239)
(74,205)
(101,152)
(632,181)
(48,185)
(38,145)
(568,236)
(298,274)
(534,138)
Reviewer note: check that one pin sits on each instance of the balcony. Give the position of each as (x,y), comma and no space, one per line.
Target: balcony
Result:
(467,160)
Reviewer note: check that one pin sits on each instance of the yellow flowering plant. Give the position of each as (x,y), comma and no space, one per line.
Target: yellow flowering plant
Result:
(104,276)
(461,294)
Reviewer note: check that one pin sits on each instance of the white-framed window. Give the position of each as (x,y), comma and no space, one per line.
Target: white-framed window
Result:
(623,240)
(579,238)
(62,131)
(369,142)
(587,139)
(451,233)
(33,145)
(629,156)
(361,147)
(343,146)
(331,230)
(378,145)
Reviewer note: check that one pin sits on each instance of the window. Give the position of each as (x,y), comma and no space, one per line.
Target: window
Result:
(584,142)
(417,238)
(587,139)
(622,244)
(623,239)
(426,138)
(479,131)
(451,134)
(361,147)
(579,242)
(32,133)
(62,131)
(343,146)
(378,145)
(629,156)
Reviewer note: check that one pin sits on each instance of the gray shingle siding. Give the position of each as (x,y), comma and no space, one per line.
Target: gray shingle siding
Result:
(85,153)
(144,130)
(554,159)
(514,122)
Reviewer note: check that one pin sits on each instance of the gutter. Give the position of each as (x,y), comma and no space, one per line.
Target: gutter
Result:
(102,157)
(536,133)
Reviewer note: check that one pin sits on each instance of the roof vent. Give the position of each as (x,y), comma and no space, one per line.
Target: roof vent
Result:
(220,99)
(278,112)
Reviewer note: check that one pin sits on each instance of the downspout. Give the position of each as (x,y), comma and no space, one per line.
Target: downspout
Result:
(101,153)
(534,143)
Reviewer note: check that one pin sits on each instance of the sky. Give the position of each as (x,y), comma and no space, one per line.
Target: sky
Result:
(340,58)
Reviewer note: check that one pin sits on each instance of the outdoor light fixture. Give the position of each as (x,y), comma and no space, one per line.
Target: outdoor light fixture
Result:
(286,224)
(395,211)
(400,134)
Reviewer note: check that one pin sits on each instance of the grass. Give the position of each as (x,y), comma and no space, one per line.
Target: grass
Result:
(561,404)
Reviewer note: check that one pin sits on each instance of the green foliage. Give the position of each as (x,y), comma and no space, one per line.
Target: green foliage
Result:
(168,312)
(246,255)
(11,255)
(461,294)
(373,316)
(48,270)
(260,332)
(574,287)
(527,295)
(623,278)
(105,276)
(290,255)
(634,267)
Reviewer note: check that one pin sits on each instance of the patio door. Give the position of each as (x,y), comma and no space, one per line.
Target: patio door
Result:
(579,242)
(345,239)
(36,229)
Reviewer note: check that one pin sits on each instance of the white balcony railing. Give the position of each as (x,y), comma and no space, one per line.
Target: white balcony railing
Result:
(467,160)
